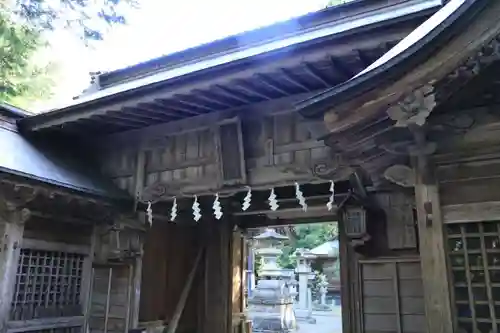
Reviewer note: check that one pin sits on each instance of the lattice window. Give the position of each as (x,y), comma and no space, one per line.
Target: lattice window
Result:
(48,284)
(474,253)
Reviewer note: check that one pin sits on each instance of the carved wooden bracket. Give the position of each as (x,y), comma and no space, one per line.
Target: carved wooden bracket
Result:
(414,108)
(472,66)
(13,199)
(160,190)
(401,175)
(334,168)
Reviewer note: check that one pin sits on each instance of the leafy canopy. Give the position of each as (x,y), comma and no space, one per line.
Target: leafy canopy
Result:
(306,236)
(21,79)
(25,27)
(88,18)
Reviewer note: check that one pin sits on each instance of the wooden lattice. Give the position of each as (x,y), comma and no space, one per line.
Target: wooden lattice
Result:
(474,255)
(48,284)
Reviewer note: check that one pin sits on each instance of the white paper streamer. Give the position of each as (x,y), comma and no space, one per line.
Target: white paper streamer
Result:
(149,213)
(300,197)
(173,211)
(217,207)
(329,205)
(273,202)
(196,209)
(247,200)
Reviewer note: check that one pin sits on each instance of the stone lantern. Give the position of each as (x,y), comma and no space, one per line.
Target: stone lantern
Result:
(271,305)
(303,269)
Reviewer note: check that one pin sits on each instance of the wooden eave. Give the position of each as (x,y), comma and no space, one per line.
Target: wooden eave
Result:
(55,204)
(434,50)
(355,119)
(299,68)
(49,162)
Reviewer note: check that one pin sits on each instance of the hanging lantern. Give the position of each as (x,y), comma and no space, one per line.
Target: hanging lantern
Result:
(121,242)
(355,222)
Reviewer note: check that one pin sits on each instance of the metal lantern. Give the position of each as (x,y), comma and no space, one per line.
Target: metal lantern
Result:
(121,242)
(355,222)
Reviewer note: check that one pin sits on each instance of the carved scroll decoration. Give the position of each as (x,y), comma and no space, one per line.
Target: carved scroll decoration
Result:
(415,108)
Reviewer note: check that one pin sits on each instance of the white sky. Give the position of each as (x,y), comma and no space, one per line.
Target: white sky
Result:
(160,27)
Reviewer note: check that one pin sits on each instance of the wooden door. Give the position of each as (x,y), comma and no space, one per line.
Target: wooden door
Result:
(392,296)
(110,300)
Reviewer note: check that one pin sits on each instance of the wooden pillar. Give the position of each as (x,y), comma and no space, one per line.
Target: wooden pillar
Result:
(432,252)
(136,290)
(11,233)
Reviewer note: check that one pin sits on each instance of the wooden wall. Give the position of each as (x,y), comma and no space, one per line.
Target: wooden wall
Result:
(110,313)
(468,182)
(49,289)
(257,146)
(169,255)
(392,296)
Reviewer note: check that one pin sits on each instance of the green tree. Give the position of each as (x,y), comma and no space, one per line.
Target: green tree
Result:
(22,80)
(337,2)
(25,28)
(306,236)
(88,18)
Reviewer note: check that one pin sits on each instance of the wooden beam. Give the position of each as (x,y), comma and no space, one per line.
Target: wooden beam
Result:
(432,253)
(183,100)
(290,77)
(317,75)
(249,89)
(272,84)
(38,244)
(11,233)
(168,104)
(37,325)
(472,212)
(210,98)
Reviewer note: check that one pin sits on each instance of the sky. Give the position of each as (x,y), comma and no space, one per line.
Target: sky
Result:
(161,27)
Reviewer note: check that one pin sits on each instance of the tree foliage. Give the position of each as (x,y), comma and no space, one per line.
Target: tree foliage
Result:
(337,2)
(307,236)
(88,18)
(25,27)
(21,79)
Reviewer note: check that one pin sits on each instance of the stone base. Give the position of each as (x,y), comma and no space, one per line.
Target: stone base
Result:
(304,316)
(269,325)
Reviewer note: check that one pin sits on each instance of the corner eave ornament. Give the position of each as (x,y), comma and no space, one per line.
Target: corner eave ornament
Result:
(415,108)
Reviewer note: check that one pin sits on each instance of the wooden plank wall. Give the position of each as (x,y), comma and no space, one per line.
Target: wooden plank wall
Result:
(115,308)
(468,183)
(121,166)
(279,149)
(169,253)
(271,146)
(392,296)
(217,277)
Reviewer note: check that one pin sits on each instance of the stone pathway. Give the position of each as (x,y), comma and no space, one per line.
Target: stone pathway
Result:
(326,322)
